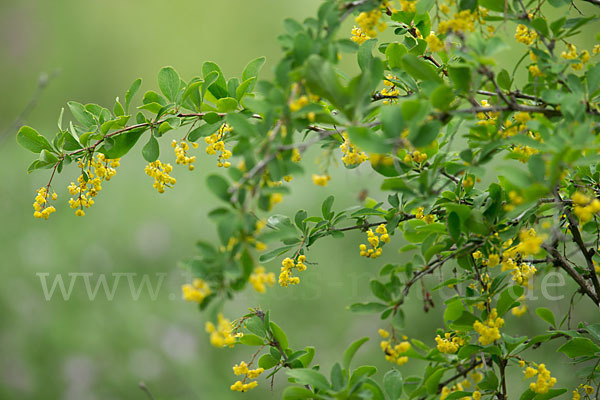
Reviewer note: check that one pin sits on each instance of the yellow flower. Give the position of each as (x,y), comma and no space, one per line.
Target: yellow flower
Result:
(196,292)
(321,180)
(434,43)
(287,265)
(216,145)
(525,35)
(223,333)
(352,155)
(358,36)
(394,352)
(544,381)
(160,172)
(449,344)
(181,156)
(41,208)
(299,103)
(259,279)
(489,330)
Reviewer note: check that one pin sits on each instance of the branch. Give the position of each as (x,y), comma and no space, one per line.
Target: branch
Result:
(262,164)
(573,227)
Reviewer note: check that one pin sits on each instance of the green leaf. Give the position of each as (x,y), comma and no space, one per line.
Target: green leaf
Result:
(151,150)
(394,53)
(419,69)
(323,81)
(279,335)
(441,97)
(297,393)
(252,69)
(307,358)
(425,134)
(81,114)
(431,383)
(251,340)
(326,207)
(460,75)
(241,124)
(31,140)
(367,307)
(306,376)
(453,223)
(227,104)
(122,143)
(351,351)
(267,361)
(169,83)
(380,291)
(393,384)
(504,80)
(47,157)
(218,87)
(135,86)
(219,186)
(507,298)
(546,315)
(578,347)
(367,139)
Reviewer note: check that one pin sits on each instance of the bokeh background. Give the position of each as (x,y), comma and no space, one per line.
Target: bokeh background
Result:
(100,349)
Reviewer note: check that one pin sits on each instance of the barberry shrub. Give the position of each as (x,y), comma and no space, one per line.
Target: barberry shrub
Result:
(430,111)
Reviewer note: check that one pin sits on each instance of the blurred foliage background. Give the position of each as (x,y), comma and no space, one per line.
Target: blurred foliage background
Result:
(101,349)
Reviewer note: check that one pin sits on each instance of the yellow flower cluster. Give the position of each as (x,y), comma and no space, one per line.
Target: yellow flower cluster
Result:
(520,310)
(374,241)
(160,172)
(463,21)
(530,242)
(358,36)
(408,5)
(544,381)
(40,206)
(492,261)
(515,200)
(352,155)
(584,207)
(449,344)
(216,145)
(571,54)
(589,390)
(195,292)
(420,214)
(296,156)
(416,156)
(223,334)
(488,117)
(393,352)
(489,330)
(525,35)
(260,278)
(369,22)
(390,90)
(89,184)
(181,153)
(300,102)
(522,153)
(287,265)
(321,180)
(242,369)
(535,71)
(434,43)
(522,274)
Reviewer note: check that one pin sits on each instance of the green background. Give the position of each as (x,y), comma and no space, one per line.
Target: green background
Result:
(100,349)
